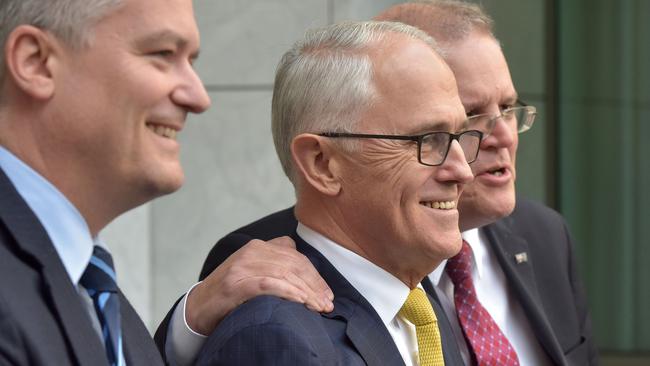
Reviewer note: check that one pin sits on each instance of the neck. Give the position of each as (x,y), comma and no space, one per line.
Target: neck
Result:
(97,206)
(326,218)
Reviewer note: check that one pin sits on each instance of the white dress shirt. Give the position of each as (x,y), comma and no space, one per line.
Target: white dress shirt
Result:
(182,344)
(495,296)
(64,224)
(383,291)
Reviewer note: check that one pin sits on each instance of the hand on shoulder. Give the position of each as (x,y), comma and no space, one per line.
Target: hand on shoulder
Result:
(258,268)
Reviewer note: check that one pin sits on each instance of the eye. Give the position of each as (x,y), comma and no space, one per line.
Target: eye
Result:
(164,53)
(503,107)
(472,113)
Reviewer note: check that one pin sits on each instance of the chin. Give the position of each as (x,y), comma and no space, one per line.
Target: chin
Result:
(446,245)
(485,208)
(163,184)
(172,185)
(454,247)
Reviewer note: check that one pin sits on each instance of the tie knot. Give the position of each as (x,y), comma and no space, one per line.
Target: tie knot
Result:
(459,266)
(99,276)
(417,308)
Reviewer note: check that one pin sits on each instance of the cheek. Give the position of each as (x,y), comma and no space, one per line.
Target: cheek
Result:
(513,156)
(389,169)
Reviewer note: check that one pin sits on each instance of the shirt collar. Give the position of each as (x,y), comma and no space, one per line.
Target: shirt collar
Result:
(474,238)
(385,292)
(63,223)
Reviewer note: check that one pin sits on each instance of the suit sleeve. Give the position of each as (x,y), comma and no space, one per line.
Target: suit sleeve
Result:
(264,344)
(160,337)
(219,253)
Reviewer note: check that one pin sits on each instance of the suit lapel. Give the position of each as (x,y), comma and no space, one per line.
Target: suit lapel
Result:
(139,348)
(364,327)
(58,290)
(519,273)
(368,334)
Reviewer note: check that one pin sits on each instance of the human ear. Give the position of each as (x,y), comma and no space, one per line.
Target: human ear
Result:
(30,57)
(315,160)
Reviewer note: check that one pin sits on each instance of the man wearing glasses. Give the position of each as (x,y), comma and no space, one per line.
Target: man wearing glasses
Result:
(517,264)
(522,265)
(366,136)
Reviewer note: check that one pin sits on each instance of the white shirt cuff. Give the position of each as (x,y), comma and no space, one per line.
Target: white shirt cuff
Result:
(183,344)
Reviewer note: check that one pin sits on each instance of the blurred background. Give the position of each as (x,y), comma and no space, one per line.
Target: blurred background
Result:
(584,64)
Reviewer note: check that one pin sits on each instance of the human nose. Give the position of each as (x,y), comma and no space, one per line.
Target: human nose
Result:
(455,168)
(191,93)
(501,136)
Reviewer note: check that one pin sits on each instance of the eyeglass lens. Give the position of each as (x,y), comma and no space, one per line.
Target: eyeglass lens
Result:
(435,146)
(517,118)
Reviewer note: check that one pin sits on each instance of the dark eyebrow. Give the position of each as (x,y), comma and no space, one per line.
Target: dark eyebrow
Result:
(163,36)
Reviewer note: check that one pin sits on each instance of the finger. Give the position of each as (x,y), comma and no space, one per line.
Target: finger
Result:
(302,268)
(260,277)
(259,258)
(305,269)
(279,287)
(308,273)
(283,242)
(316,299)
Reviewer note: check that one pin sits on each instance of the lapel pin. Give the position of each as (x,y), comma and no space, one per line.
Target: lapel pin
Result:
(521,257)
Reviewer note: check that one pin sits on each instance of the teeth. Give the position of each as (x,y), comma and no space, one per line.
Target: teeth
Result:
(498,173)
(163,131)
(441,205)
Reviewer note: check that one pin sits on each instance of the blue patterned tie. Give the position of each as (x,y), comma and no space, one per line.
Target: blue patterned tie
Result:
(99,281)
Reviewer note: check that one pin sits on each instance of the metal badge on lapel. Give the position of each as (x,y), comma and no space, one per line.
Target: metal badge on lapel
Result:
(521,257)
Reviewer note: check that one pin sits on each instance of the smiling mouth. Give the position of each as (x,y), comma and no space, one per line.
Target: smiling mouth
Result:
(163,131)
(440,205)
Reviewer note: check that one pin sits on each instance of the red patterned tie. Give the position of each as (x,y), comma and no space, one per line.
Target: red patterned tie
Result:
(489,345)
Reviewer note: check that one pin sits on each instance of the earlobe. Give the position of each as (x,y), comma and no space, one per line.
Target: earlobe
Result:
(29,59)
(314,161)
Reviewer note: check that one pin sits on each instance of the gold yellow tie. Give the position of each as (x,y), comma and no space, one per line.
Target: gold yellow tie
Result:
(417,310)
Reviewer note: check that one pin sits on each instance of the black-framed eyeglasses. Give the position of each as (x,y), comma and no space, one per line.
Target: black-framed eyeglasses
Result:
(433,147)
(520,117)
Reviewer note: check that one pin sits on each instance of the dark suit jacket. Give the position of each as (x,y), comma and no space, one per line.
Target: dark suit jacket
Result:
(270,331)
(42,318)
(547,284)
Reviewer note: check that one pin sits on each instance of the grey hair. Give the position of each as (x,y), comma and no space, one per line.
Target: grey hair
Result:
(447,21)
(69,20)
(325,81)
